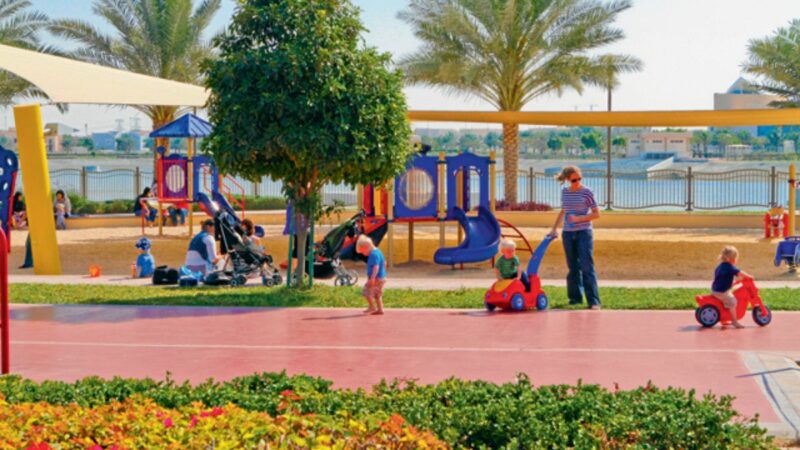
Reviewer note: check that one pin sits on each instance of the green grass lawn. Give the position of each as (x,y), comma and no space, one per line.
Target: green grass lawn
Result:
(323,296)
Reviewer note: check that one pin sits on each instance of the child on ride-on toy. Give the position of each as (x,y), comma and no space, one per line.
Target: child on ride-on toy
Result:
(724,276)
(508,267)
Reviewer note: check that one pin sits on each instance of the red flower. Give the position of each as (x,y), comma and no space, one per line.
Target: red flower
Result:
(193,422)
(39,446)
(168,423)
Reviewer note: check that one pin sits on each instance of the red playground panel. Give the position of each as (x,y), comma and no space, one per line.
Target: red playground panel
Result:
(627,348)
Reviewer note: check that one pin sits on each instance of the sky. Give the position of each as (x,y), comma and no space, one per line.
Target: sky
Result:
(690,49)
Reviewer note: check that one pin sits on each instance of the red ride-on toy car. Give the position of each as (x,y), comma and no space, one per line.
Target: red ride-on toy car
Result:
(511,294)
(710,309)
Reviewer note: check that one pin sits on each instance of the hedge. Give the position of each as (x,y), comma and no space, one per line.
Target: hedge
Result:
(464,414)
(82,206)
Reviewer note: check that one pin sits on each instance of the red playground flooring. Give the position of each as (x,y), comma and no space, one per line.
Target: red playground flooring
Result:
(608,347)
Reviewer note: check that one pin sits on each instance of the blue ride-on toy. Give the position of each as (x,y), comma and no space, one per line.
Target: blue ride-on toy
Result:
(788,251)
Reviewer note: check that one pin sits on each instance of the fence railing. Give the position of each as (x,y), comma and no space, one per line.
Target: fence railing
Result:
(655,189)
(126,184)
(665,189)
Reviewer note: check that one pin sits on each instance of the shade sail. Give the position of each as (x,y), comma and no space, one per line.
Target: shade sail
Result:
(728,118)
(66,80)
(186,126)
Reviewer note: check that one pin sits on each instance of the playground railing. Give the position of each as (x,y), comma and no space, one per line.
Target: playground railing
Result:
(663,189)
(686,189)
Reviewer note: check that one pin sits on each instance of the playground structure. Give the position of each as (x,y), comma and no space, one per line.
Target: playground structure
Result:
(9,166)
(437,190)
(192,178)
(776,223)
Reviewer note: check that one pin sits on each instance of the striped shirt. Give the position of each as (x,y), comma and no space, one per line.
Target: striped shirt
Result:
(577,203)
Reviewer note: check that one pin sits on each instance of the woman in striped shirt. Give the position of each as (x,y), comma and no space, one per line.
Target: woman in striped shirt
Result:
(578,210)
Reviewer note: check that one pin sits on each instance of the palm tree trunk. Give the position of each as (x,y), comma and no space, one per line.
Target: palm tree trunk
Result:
(510,160)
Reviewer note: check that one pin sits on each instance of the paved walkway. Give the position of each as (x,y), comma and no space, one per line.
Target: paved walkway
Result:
(429,283)
(624,348)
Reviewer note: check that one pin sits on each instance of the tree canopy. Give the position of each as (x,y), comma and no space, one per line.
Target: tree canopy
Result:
(775,61)
(510,52)
(297,96)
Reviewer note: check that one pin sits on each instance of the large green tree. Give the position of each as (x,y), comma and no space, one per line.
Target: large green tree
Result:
(509,52)
(775,61)
(19,27)
(297,96)
(161,38)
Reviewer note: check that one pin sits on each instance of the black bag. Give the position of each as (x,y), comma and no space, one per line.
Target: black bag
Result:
(217,279)
(163,275)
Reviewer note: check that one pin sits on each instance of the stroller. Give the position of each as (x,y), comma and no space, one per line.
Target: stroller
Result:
(328,252)
(245,259)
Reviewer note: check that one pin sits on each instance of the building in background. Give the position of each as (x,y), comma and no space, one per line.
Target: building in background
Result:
(742,95)
(659,144)
(124,142)
(55,135)
(8,139)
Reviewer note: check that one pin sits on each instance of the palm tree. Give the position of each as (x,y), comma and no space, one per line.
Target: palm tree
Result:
(19,27)
(775,61)
(606,75)
(509,52)
(161,38)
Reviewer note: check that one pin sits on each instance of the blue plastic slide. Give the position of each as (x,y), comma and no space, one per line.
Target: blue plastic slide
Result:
(482,237)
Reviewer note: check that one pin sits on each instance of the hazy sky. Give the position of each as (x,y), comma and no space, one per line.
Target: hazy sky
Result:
(690,49)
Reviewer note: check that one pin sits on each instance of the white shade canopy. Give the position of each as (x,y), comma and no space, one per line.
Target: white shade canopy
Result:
(66,80)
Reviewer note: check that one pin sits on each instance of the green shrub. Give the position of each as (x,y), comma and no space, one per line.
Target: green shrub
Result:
(468,414)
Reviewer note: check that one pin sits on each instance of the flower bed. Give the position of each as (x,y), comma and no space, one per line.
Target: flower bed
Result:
(461,413)
(139,423)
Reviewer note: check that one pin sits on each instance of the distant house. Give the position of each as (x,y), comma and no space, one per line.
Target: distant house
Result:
(664,143)
(743,95)
(128,142)
(105,141)
(54,134)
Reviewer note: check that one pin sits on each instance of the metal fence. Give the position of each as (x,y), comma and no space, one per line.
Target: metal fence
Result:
(657,189)
(665,189)
(126,184)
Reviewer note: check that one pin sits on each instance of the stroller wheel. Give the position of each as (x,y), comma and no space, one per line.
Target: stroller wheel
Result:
(238,281)
(342,281)
(268,282)
(353,275)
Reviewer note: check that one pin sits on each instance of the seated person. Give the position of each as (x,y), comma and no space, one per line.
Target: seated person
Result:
(19,217)
(143,209)
(724,275)
(178,212)
(62,208)
(508,267)
(202,254)
(250,237)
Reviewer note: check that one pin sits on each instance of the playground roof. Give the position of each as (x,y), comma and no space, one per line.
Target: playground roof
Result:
(186,126)
(66,80)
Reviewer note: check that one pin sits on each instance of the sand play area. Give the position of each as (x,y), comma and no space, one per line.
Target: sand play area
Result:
(621,254)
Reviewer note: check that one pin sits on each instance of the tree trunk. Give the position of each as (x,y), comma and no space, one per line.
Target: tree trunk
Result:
(510,160)
(301,231)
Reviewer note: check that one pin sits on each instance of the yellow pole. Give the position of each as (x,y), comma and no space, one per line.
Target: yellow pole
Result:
(492,180)
(792,195)
(190,187)
(36,183)
(390,218)
(359,197)
(410,241)
(442,200)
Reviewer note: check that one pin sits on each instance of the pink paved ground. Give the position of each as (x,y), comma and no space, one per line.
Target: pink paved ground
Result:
(606,347)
